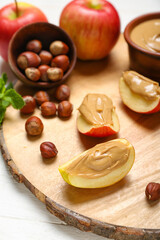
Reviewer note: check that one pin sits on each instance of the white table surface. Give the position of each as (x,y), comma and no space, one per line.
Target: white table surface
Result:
(22,216)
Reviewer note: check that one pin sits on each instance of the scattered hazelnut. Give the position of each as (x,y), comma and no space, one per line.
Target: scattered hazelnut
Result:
(29,106)
(65,109)
(34,126)
(48,150)
(43,70)
(33,73)
(55,74)
(45,57)
(28,59)
(62,92)
(153,191)
(34,46)
(58,47)
(61,61)
(41,97)
(48,109)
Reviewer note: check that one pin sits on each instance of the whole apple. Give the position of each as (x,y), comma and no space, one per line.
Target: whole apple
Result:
(10,22)
(93,25)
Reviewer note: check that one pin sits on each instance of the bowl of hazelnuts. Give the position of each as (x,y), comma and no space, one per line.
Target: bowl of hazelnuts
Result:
(42,55)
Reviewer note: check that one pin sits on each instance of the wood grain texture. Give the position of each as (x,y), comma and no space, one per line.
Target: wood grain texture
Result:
(102,211)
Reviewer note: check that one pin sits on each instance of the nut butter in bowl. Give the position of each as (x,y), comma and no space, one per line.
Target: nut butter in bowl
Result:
(147,35)
(143,37)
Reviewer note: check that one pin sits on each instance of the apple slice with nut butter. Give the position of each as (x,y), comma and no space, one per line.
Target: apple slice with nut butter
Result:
(100,166)
(139,93)
(97,116)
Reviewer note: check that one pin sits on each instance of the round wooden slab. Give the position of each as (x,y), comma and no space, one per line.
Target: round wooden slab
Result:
(120,211)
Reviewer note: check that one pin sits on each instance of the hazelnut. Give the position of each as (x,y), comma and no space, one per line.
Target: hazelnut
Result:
(43,70)
(33,74)
(48,150)
(45,57)
(153,191)
(58,48)
(28,59)
(62,92)
(61,61)
(34,126)
(34,46)
(48,109)
(55,74)
(29,106)
(41,97)
(65,109)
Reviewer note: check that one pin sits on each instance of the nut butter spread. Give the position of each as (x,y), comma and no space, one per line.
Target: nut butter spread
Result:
(147,35)
(141,85)
(97,109)
(100,160)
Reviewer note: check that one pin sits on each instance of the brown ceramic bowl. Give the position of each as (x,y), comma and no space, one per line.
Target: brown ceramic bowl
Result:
(46,33)
(141,60)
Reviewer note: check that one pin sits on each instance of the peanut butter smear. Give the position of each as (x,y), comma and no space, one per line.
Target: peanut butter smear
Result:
(147,35)
(100,160)
(141,85)
(97,109)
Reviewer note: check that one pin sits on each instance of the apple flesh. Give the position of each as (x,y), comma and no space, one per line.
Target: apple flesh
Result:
(93,25)
(10,22)
(136,102)
(88,129)
(109,179)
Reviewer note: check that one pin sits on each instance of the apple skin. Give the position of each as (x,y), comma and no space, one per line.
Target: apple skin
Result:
(94,31)
(137,103)
(87,129)
(10,23)
(100,182)
(156,109)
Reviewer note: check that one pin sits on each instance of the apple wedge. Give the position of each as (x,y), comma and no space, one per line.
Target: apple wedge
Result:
(101,166)
(97,116)
(101,131)
(135,100)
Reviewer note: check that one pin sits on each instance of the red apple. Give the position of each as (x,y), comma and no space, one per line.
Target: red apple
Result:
(10,22)
(93,25)
(137,102)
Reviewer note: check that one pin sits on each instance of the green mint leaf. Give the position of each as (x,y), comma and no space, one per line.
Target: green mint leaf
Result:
(8,96)
(4,77)
(9,86)
(2,85)
(1,95)
(5,102)
(14,98)
(2,113)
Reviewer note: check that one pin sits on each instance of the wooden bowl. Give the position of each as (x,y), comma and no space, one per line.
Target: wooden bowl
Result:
(46,33)
(142,60)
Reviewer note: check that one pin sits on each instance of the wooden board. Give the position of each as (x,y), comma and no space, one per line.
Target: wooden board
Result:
(119,211)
